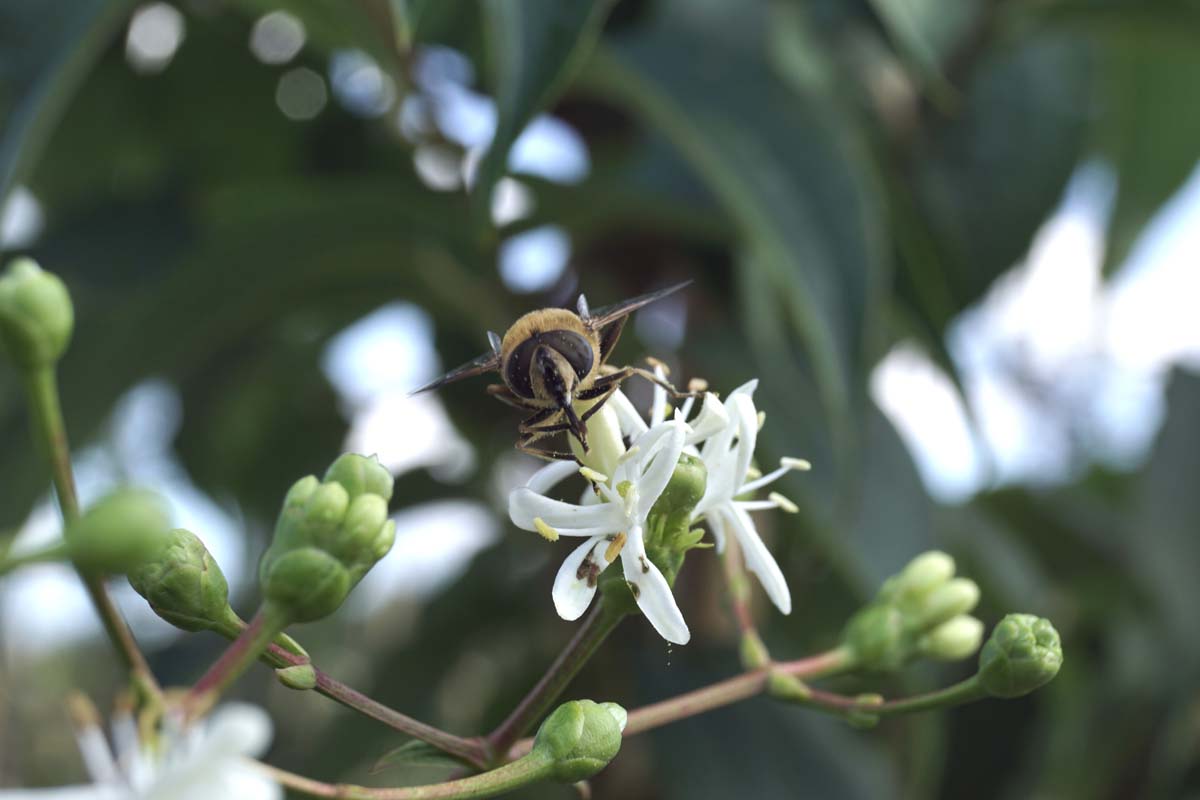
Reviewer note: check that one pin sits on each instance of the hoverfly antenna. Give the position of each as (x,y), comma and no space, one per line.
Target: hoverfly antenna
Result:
(582,305)
(494,341)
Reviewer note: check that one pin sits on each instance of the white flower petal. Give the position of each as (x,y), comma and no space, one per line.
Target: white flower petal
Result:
(630,420)
(574,585)
(662,448)
(652,591)
(716,526)
(238,729)
(524,506)
(760,561)
(747,423)
(551,475)
(658,402)
(746,388)
(711,420)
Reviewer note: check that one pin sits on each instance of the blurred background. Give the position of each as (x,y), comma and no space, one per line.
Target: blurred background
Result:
(957,240)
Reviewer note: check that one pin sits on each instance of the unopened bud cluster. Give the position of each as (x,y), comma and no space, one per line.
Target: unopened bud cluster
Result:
(921,611)
(328,535)
(580,738)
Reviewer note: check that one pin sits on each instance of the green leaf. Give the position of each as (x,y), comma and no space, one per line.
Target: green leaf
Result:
(46,50)
(535,47)
(789,170)
(1151,129)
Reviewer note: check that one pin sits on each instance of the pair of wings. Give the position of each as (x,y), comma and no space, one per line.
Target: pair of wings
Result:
(598,318)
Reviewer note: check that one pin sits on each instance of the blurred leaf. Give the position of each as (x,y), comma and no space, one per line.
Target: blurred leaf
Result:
(415,753)
(789,171)
(46,51)
(988,178)
(535,47)
(1151,130)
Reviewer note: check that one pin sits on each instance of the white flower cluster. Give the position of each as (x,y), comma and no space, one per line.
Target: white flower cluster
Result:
(628,481)
(204,761)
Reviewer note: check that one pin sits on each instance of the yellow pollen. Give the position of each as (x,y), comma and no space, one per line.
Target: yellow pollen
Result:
(544,530)
(783,503)
(762,419)
(623,488)
(592,475)
(614,547)
(795,463)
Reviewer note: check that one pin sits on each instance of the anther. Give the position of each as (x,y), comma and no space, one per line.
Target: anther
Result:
(614,547)
(544,530)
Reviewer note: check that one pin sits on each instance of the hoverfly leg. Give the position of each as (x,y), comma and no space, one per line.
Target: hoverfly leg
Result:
(508,397)
(525,445)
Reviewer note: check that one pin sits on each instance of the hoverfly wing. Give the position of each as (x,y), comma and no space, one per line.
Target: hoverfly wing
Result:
(606,314)
(488,362)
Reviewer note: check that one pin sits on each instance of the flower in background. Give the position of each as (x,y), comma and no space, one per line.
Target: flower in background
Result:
(614,526)
(207,760)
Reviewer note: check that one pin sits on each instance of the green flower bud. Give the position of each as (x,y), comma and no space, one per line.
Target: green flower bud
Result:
(685,488)
(185,586)
(1023,653)
(328,536)
(920,576)
(876,638)
(119,533)
(580,738)
(300,677)
(952,640)
(951,599)
(36,316)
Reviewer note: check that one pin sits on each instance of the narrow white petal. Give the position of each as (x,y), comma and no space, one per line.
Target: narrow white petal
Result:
(524,506)
(716,526)
(551,475)
(652,591)
(630,420)
(760,561)
(756,505)
(658,402)
(661,455)
(747,419)
(711,420)
(575,584)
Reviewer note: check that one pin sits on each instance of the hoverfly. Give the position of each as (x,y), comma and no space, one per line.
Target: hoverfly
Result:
(552,357)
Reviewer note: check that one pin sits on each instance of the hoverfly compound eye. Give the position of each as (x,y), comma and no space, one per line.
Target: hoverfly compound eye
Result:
(573,347)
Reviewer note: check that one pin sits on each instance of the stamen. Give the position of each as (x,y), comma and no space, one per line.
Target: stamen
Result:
(784,503)
(544,530)
(623,488)
(614,547)
(686,408)
(753,472)
(762,419)
(592,475)
(658,365)
(697,385)
(786,465)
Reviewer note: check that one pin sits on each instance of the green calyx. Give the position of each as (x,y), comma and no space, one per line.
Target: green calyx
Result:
(185,586)
(329,534)
(119,533)
(1023,653)
(580,738)
(921,611)
(36,315)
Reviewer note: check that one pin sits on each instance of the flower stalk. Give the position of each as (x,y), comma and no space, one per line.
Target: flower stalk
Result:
(50,436)
(602,621)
